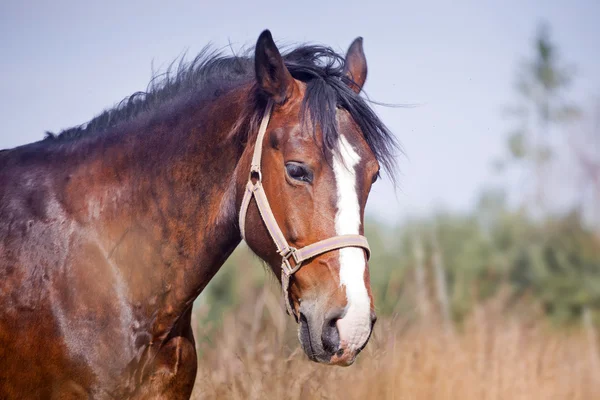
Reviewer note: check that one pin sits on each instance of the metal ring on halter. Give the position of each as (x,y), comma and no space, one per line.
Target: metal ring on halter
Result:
(257,172)
(291,252)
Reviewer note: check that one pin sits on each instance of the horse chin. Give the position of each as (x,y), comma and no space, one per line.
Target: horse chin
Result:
(343,358)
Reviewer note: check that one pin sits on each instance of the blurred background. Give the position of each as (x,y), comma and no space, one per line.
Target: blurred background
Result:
(486,257)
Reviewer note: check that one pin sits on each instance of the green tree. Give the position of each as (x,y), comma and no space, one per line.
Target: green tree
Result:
(542,84)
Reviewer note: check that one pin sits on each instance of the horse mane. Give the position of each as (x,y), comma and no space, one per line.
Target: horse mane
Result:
(211,73)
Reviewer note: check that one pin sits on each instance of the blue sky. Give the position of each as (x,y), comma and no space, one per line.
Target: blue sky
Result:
(65,61)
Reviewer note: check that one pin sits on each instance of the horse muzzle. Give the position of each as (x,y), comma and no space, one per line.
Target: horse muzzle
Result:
(328,338)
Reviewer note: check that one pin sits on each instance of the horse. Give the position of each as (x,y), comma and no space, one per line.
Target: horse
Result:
(110,230)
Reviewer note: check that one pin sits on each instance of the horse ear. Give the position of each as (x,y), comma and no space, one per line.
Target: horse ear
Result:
(355,67)
(272,75)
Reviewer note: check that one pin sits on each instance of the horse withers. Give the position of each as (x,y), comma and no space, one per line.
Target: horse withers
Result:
(110,230)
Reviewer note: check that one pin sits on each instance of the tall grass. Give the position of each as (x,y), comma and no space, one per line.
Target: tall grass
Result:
(493,354)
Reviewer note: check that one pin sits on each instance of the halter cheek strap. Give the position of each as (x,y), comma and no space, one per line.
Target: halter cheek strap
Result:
(292,258)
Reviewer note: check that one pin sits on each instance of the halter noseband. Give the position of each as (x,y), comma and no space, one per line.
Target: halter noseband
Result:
(287,252)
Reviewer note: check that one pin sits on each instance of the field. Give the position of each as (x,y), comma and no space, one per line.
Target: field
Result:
(494,353)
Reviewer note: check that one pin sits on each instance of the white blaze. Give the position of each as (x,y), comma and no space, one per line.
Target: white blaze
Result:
(355,327)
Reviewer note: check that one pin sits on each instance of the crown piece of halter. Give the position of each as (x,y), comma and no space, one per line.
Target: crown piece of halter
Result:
(292,258)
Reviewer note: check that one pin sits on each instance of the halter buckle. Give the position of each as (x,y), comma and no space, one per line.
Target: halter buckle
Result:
(286,266)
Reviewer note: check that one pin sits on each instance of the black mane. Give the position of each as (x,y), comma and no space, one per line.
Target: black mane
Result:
(321,68)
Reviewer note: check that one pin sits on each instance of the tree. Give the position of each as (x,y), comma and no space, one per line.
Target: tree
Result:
(541,85)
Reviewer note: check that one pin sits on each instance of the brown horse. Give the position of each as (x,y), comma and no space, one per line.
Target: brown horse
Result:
(110,230)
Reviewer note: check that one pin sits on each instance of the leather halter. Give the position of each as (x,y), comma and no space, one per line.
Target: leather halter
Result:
(288,253)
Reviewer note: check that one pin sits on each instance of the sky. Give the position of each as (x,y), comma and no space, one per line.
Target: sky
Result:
(63,62)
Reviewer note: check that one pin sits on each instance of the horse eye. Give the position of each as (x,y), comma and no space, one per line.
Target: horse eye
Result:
(299,172)
(375,177)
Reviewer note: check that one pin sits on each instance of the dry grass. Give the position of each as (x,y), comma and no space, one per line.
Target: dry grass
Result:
(494,356)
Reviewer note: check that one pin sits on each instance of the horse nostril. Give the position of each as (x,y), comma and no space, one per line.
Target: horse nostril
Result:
(330,334)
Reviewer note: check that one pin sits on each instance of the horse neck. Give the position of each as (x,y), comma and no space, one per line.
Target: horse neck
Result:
(168,215)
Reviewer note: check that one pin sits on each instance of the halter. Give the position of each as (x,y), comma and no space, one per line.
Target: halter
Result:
(287,252)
